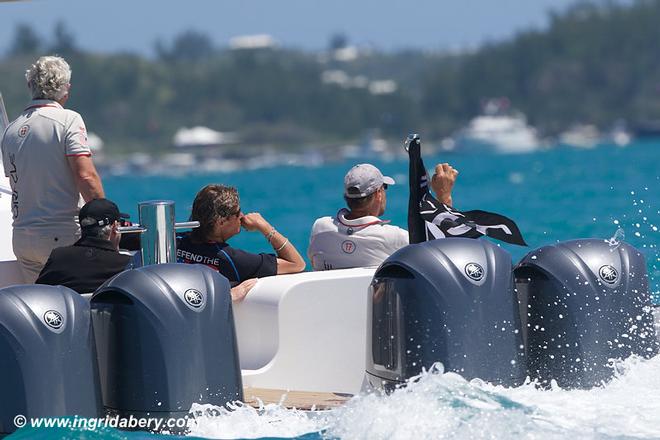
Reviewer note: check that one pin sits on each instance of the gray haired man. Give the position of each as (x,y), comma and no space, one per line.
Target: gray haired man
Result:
(49,165)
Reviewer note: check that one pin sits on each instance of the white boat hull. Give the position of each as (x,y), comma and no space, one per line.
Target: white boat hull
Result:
(502,134)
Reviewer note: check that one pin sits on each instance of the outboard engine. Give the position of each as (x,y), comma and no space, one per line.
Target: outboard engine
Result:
(449,301)
(166,339)
(587,302)
(47,358)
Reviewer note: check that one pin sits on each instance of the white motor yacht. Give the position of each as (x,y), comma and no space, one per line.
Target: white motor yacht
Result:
(499,130)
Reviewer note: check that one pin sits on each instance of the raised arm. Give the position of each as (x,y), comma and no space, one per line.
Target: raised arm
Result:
(288,257)
(87,179)
(443,181)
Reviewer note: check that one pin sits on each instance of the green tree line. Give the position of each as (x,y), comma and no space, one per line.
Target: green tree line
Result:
(597,62)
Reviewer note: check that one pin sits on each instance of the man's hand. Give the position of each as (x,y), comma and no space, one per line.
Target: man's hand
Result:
(255,222)
(443,181)
(238,293)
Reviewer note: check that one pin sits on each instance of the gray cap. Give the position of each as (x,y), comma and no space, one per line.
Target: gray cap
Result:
(364,179)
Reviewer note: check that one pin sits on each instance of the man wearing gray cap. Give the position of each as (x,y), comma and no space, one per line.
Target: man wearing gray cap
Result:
(357,237)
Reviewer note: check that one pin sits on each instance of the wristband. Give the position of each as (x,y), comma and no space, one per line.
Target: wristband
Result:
(270,234)
(283,246)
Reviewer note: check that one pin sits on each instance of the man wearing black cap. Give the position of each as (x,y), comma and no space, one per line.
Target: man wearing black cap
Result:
(93,259)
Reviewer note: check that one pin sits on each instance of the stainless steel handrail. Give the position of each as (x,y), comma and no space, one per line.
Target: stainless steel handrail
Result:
(157,226)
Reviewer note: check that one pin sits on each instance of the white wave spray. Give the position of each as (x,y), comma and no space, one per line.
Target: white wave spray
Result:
(445,405)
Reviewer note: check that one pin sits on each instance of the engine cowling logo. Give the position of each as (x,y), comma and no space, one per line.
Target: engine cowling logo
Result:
(53,319)
(608,274)
(194,298)
(474,271)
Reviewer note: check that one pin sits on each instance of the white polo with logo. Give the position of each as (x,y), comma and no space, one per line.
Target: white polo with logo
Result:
(35,148)
(45,197)
(340,243)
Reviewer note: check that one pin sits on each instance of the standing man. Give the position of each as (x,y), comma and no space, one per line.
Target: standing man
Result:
(357,236)
(49,165)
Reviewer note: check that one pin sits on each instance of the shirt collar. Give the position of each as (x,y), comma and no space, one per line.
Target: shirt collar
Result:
(361,222)
(36,103)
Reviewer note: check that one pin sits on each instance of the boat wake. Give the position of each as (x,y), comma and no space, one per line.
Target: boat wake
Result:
(436,404)
(244,421)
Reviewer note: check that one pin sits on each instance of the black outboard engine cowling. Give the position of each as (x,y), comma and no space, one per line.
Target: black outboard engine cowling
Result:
(450,301)
(587,302)
(47,357)
(166,339)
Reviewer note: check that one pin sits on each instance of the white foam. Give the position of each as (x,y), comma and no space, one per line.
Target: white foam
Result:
(444,405)
(243,421)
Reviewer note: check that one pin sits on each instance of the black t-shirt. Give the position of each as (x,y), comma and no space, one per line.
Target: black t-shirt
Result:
(83,266)
(236,265)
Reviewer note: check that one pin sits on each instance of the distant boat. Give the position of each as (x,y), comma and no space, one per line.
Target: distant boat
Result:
(619,135)
(202,137)
(372,145)
(499,130)
(581,136)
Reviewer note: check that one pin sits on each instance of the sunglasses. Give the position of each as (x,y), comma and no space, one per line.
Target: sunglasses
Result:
(235,213)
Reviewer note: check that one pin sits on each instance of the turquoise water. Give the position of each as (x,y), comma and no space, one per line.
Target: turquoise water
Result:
(554,195)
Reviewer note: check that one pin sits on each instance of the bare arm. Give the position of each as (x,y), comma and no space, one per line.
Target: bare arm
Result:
(87,179)
(288,257)
(443,181)
(238,293)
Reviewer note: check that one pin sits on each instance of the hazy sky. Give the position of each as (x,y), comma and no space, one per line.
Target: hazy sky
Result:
(136,24)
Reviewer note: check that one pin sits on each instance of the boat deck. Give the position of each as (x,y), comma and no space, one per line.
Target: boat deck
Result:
(303,400)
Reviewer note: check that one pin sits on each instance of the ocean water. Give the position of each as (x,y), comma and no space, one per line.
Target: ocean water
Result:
(553,195)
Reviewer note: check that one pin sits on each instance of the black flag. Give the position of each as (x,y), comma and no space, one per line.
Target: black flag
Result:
(429,219)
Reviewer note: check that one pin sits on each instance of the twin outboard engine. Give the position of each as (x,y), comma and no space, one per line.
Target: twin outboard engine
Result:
(47,359)
(576,306)
(165,339)
(587,301)
(449,301)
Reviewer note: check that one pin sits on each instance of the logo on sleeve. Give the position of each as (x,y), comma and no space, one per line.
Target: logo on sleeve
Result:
(23,131)
(348,247)
(83,135)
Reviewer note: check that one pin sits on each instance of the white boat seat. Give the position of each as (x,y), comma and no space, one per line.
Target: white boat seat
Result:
(305,332)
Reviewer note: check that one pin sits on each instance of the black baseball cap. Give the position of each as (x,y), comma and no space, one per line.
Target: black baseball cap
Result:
(100,212)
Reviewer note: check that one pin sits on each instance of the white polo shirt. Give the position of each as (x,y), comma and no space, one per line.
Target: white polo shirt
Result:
(339,243)
(35,148)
